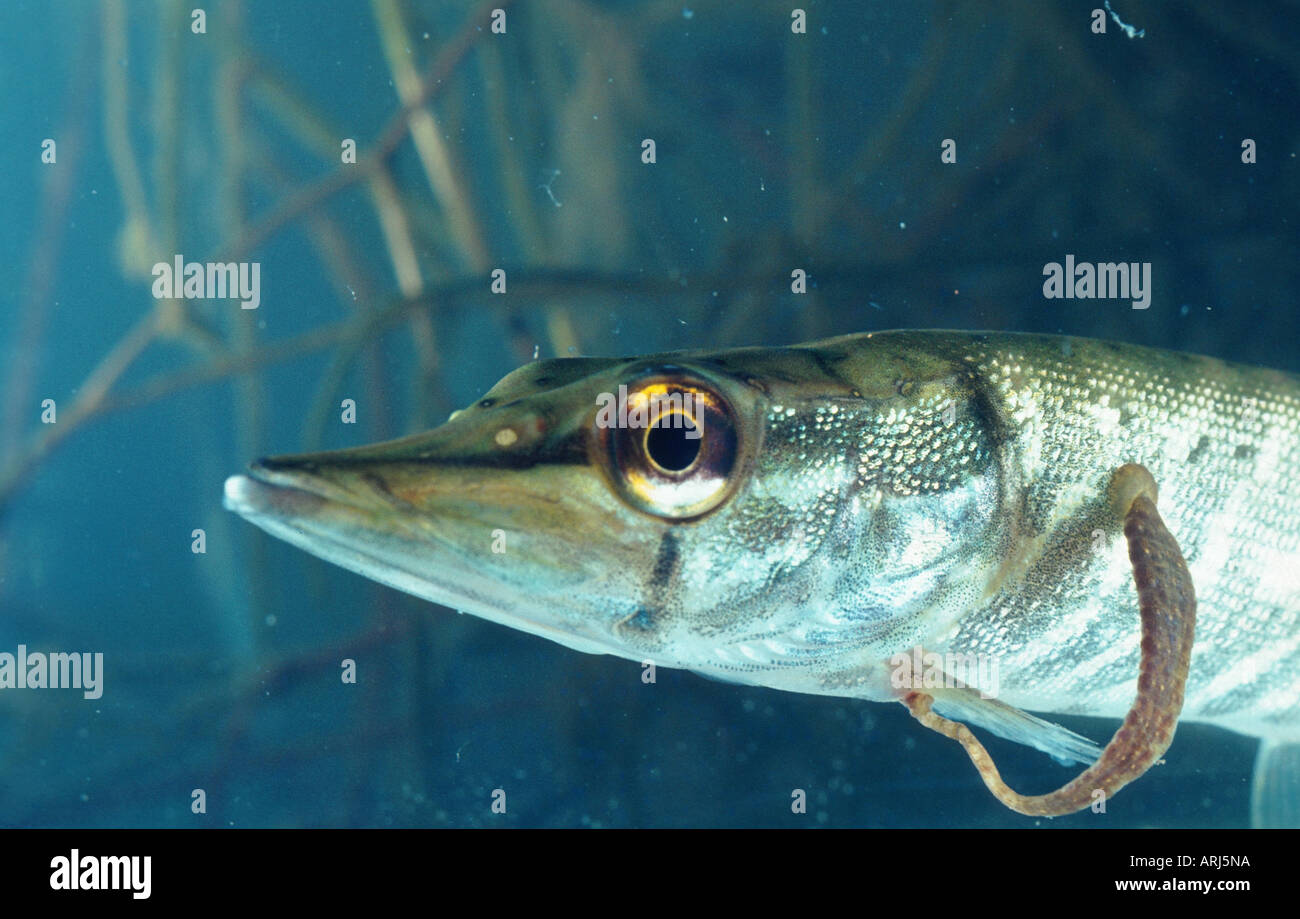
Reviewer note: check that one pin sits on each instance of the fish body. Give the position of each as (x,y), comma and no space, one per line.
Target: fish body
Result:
(814,513)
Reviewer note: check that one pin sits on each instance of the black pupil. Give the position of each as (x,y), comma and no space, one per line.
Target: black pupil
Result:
(669,446)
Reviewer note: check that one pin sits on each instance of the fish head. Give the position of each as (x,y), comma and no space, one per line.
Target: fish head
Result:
(726,512)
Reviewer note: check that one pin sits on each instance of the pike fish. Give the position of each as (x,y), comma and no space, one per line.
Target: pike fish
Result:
(975,525)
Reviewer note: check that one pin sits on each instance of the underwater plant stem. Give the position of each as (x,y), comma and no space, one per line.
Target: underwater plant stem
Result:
(435,157)
(137,240)
(344,176)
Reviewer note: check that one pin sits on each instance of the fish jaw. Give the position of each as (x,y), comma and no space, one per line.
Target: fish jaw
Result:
(462,537)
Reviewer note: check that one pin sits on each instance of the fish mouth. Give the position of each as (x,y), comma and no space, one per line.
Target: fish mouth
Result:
(308,512)
(265,492)
(364,529)
(295,487)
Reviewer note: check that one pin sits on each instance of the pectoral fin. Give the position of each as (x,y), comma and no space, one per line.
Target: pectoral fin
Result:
(1167,605)
(1010,723)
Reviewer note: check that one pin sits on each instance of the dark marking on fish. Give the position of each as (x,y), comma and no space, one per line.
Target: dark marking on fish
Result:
(984,406)
(825,363)
(378,483)
(666,561)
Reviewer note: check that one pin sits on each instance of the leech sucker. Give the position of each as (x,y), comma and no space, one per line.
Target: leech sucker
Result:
(1167,605)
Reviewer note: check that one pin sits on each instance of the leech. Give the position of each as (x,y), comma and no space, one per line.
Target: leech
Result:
(1167,604)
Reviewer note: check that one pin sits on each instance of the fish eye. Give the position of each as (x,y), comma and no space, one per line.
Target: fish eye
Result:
(672,442)
(669,444)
